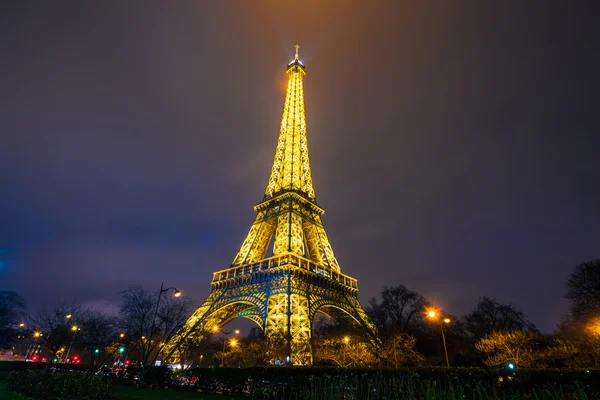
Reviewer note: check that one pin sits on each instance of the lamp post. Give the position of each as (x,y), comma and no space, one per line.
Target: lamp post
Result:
(74,328)
(346,341)
(146,352)
(225,336)
(20,336)
(162,290)
(442,320)
(120,350)
(36,335)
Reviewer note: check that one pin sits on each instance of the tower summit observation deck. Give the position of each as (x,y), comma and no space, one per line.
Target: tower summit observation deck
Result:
(285,270)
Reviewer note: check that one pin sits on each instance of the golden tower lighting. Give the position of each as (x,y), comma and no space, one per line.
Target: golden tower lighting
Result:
(285,270)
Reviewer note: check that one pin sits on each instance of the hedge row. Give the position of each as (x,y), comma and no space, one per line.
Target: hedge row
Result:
(44,384)
(282,382)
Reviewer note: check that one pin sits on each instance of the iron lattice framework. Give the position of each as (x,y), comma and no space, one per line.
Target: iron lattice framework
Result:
(282,292)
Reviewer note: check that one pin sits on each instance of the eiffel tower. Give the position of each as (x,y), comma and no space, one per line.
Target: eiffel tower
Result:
(285,270)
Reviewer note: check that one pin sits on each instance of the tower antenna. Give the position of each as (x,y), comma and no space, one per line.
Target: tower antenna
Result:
(297,47)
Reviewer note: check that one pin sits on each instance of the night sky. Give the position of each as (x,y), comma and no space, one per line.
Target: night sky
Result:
(454,145)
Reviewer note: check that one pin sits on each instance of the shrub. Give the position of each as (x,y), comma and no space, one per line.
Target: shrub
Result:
(47,385)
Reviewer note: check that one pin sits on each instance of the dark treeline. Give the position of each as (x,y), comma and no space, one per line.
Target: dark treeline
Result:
(410,333)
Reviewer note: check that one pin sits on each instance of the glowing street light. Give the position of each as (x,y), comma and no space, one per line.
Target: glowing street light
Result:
(74,328)
(21,325)
(226,334)
(346,340)
(433,314)
(31,348)
(122,335)
(69,316)
(177,293)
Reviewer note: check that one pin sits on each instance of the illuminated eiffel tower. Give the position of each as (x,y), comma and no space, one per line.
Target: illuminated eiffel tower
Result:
(285,270)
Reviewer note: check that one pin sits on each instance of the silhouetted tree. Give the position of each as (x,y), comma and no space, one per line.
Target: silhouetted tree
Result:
(149,328)
(583,290)
(490,316)
(60,326)
(98,331)
(400,311)
(12,313)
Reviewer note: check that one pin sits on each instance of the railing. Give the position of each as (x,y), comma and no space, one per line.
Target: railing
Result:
(282,260)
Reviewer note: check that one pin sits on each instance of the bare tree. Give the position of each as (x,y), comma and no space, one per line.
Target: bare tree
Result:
(518,347)
(583,289)
(399,349)
(401,310)
(577,352)
(98,332)
(150,323)
(343,351)
(490,316)
(12,313)
(59,325)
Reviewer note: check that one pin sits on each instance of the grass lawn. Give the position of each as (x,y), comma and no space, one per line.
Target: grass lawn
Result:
(132,393)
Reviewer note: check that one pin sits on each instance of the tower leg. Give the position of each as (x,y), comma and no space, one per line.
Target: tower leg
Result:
(300,332)
(275,332)
(296,344)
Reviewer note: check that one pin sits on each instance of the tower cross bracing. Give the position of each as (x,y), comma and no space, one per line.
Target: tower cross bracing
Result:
(285,270)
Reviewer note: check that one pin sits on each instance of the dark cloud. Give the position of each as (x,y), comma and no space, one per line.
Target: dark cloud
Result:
(453,145)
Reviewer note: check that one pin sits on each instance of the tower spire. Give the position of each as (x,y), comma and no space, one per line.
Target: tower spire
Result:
(291,167)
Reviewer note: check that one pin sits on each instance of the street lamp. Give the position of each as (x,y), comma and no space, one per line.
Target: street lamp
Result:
(36,335)
(346,340)
(177,293)
(442,320)
(225,336)
(74,328)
